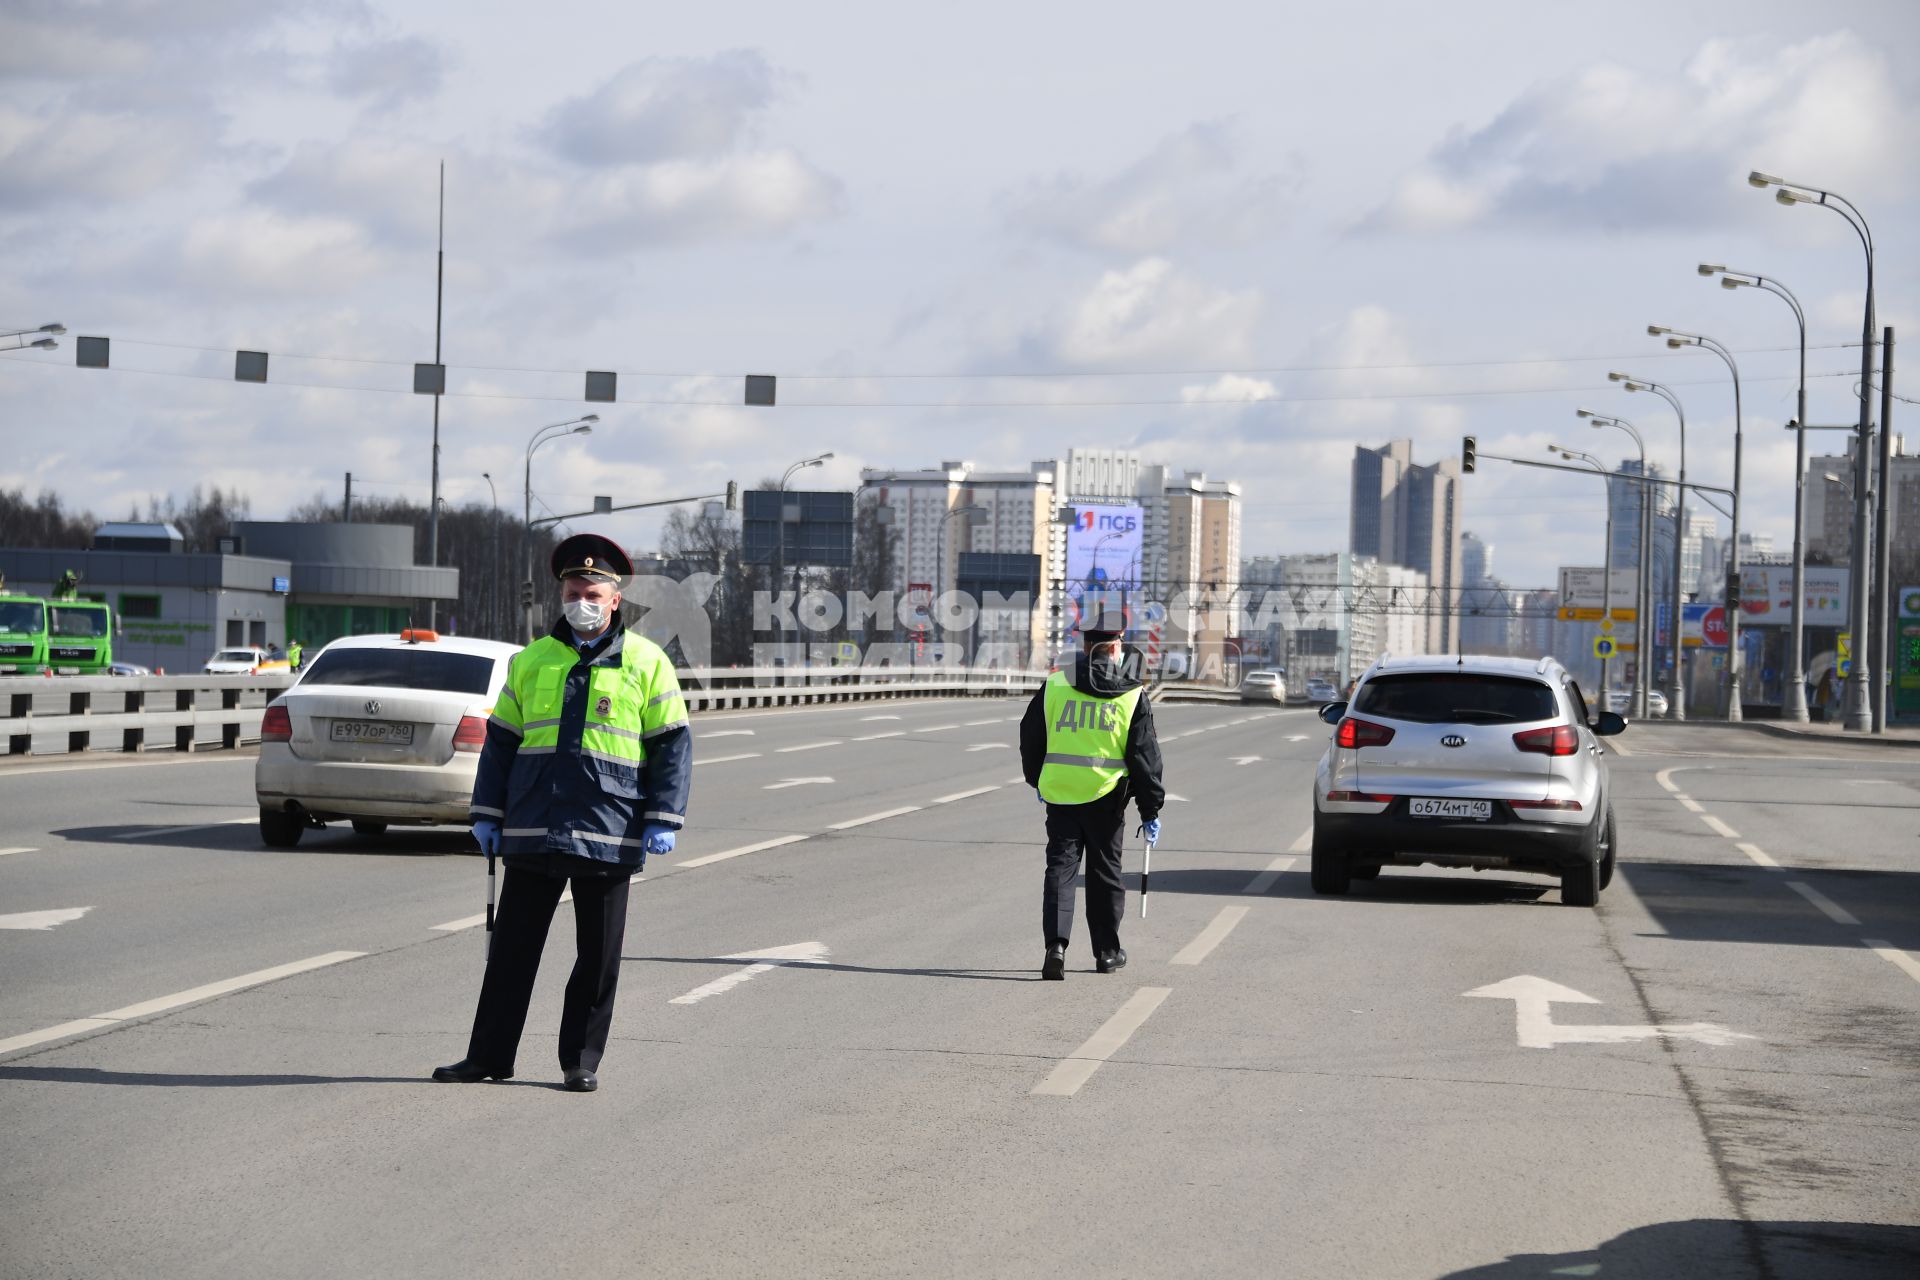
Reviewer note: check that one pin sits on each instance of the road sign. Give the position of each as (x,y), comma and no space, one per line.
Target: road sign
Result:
(1843,650)
(1606,625)
(1713,628)
(1604,646)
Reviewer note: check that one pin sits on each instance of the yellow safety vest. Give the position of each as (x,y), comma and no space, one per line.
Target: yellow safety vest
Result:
(1086,742)
(626,704)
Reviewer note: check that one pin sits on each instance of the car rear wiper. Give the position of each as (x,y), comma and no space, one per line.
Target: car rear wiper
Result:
(1464,716)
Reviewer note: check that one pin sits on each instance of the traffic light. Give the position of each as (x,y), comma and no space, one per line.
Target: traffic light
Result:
(733,495)
(1733,588)
(526,595)
(1469,454)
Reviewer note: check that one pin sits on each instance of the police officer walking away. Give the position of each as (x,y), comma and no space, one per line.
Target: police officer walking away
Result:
(1086,744)
(585,772)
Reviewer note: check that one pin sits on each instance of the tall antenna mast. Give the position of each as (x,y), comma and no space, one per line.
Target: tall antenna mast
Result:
(439,290)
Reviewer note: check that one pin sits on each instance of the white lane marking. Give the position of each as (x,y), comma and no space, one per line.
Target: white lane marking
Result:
(1665,779)
(879,718)
(937,728)
(784,783)
(1302,842)
(1264,881)
(742,851)
(1078,1067)
(758,962)
(1826,906)
(870,737)
(43,920)
(1210,937)
(975,724)
(17,849)
(156,832)
(873,817)
(744,755)
(1174,799)
(1619,748)
(1689,803)
(1534,1027)
(30,771)
(1893,956)
(147,1008)
(1759,855)
(462,924)
(965,795)
(1296,737)
(727,733)
(1189,733)
(809,746)
(1718,827)
(990,746)
(1243,761)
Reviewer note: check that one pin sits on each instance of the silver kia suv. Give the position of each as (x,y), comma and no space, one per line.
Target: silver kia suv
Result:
(1466,762)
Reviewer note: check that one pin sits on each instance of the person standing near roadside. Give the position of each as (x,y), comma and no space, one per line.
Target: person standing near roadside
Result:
(293,655)
(1087,745)
(586,771)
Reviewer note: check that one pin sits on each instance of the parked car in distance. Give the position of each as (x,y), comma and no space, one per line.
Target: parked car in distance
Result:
(242,660)
(129,669)
(379,729)
(1620,699)
(1321,690)
(1263,686)
(1466,762)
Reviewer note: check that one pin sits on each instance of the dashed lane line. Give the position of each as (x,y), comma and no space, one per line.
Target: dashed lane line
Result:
(1690,804)
(1078,1067)
(157,832)
(1825,905)
(743,850)
(882,816)
(744,755)
(1759,855)
(1212,936)
(17,849)
(1302,842)
(162,1004)
(809,746)
(1718,827)
(975,724)
(1264,881)
(874,737)
(938,728)
(966,795)
(1893,956)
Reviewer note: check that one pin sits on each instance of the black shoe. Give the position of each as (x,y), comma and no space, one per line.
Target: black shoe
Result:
(1110,961)
(466,1071)
(581,1080)
(1054,967)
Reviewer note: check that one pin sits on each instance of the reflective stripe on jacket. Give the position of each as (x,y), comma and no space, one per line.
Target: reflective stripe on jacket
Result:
(583,752)
(1086,742)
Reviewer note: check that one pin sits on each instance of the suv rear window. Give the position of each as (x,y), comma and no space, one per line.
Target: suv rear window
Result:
(1457,697)
(411,667)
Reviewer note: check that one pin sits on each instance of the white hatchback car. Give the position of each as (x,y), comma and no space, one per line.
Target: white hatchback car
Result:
(379,729)
(242,660)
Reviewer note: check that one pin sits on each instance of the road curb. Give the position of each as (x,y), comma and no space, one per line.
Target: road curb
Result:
(1780,729)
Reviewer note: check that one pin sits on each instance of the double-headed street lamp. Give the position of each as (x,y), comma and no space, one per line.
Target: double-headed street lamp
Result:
(552,431)
(1794,696)
(1861,717)
(1606,568)
(1643,570)
(23,338)
(1677,339)
(780,536)
(1676,693)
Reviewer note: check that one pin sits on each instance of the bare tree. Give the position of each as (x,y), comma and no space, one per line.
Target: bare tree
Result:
(43,524)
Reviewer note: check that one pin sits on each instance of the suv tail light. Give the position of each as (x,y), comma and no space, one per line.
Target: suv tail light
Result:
(471,735)
(1357,797)
(1557,805)
(1555,740)
(1355,734)
(276,725)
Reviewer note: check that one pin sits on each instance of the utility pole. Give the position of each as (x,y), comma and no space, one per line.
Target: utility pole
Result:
(1884,642)
(439,286)
(346,506)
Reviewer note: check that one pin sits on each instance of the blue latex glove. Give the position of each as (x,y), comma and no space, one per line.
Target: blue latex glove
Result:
(1153,832)
(657,839)
(486,833)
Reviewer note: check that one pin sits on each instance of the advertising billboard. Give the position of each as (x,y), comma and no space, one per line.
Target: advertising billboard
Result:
(1766,595)
(1580,593)
(1103,548)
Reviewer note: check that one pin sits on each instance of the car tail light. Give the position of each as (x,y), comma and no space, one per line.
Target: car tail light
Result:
(1355,734)
(471,734)
(1357,797)
(1565,806)
(1556,740)
(276,725)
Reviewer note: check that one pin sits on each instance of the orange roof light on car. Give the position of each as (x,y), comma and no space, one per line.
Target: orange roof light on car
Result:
(418,635)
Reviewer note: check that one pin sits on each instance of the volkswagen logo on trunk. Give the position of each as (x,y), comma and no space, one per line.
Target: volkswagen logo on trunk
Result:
(373,709)
(1453,740)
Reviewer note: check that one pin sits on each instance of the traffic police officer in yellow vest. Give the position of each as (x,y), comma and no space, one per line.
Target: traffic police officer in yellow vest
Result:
(1087,744)
(585,772)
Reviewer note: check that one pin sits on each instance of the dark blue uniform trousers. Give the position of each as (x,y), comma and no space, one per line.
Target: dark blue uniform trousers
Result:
(1096,832)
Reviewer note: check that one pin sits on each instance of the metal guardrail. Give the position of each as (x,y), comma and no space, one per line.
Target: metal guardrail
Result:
(189,713)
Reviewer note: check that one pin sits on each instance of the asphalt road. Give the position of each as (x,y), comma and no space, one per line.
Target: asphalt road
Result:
(1278,1084)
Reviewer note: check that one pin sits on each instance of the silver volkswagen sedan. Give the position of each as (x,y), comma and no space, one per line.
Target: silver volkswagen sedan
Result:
(1466,762)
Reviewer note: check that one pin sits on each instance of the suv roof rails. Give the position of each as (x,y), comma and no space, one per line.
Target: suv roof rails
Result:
(1540,668)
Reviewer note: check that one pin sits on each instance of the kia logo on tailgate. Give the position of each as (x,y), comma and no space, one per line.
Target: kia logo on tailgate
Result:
(1453,740)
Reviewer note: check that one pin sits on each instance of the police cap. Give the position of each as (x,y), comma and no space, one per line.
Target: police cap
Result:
(588,555)
(1107,625)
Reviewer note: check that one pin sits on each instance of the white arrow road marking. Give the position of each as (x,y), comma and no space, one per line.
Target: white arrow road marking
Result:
(1533,1018)
(43,920)
(784,783)
(726,733)
(757,962)
(1244,760)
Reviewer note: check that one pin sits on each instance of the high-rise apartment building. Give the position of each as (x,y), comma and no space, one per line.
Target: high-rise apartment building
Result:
(1408,514)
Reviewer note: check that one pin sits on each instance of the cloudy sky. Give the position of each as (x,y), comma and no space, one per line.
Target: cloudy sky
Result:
(1240,238)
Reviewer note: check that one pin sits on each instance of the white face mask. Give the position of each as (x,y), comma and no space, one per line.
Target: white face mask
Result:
(585,615)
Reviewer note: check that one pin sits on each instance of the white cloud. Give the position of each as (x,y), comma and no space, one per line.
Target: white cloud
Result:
(61,154)
(1146,314)
(664,109)
(385,73)
(1187,190)
(764,193)
(259,251)
(1230,386)
(1620,146)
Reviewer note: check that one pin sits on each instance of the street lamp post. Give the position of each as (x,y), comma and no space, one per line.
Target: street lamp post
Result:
(780,540)
(1676,690)
(552,431)
(493,557)
(1675,340)
(1606,570)
(1643,571)
(36,337)
(1794,696)
(1861,716)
